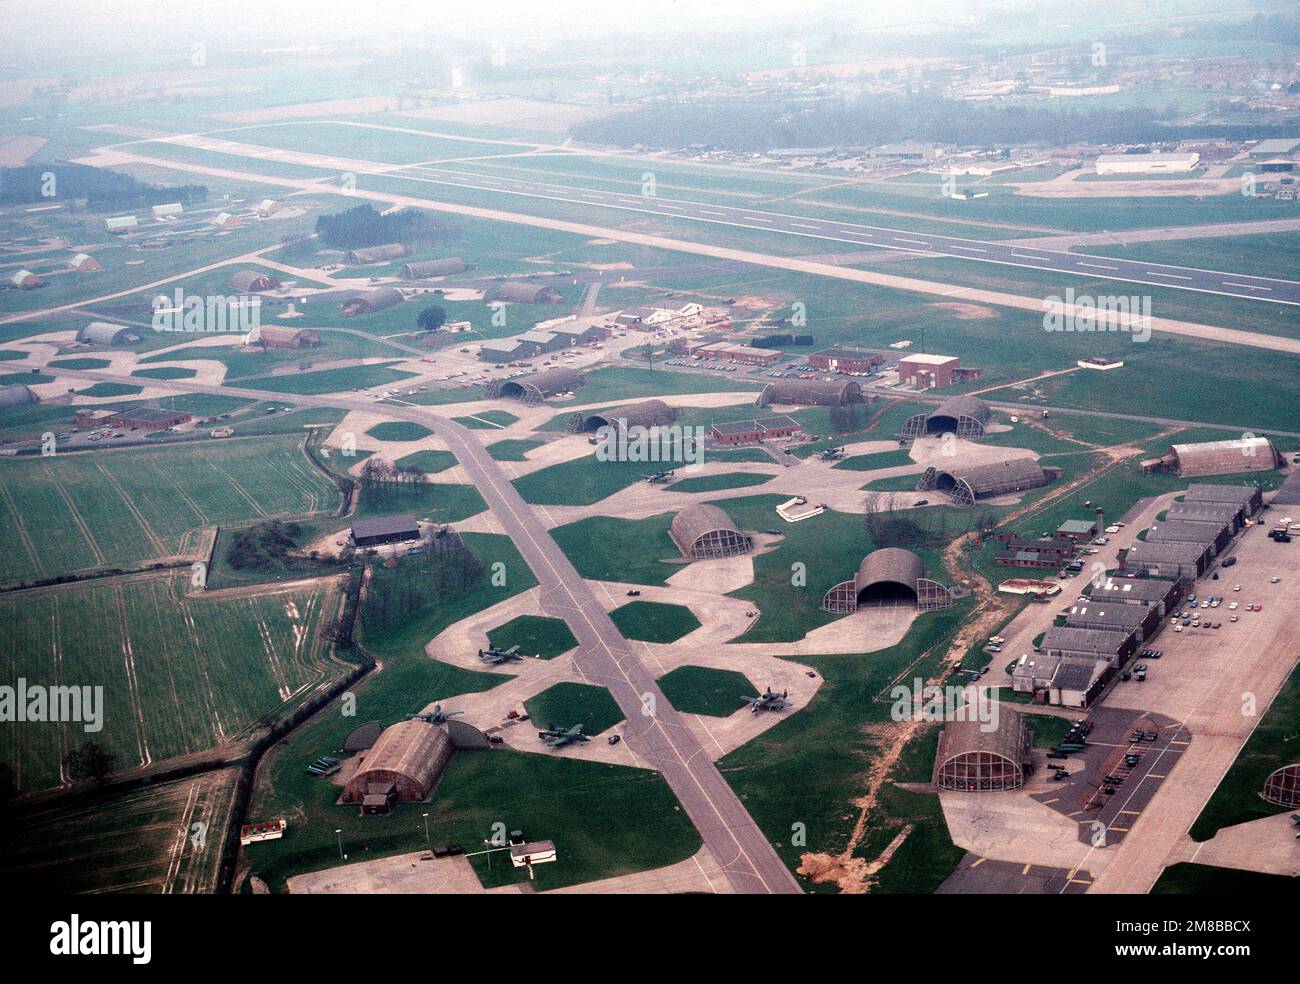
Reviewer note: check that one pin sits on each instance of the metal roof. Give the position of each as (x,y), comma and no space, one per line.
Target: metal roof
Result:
(1166,552)
(811,392)
(1075,639)
(1078,673)
(1144,589)
(1104,612)
(1185,531)
(889,565)
(695,521)
(384,525)
(1226,457)
(1007,738)
(1238,495)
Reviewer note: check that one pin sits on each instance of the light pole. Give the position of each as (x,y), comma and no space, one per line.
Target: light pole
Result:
(426,832)
(339,831)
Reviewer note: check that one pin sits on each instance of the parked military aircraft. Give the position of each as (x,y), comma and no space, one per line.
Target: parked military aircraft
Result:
(435,716)
(559,737)
(832,454)
(768,701)
(495,655)
(660,477)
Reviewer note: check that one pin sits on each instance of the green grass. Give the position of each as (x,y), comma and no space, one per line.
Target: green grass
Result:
(1186,878)
(535,635)
(623,384)
(652,621)
(119,507)
(713,483)
(567,704)
(580,482)
(429,462)
(487,420)
(705,690)
(432,500)
(1048,728)
(1237,798)
(79,364)
(26,378)
(398,430)
(166,372)
(810,768)
(632,551)
(328,380)
(512,450)
(880,459)
(110,389)
(205,668)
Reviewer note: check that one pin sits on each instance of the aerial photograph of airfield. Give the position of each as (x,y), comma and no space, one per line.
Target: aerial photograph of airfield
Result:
(821,454)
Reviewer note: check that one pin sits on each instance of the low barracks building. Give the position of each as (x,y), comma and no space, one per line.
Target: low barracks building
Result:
(846,360)
(753,431)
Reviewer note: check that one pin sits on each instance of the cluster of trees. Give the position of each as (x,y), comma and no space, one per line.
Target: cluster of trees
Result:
(34,183)
(431,318)
(781,341)
(364,225)
(845,420)
(383,483)
(445,568)
(756,125)
(263,546)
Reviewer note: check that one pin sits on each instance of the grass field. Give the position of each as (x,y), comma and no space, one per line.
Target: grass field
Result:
(623,384)
(535,635)
(705,690)
(652,621)
(567,704)
(487,420)
(398,430)
(1236,799)
(601,548)
(119,507)
(329,380)
(166,372)
(429,462)
(580,482)
(512,450)
(180,674)
(870,462)
(712,483)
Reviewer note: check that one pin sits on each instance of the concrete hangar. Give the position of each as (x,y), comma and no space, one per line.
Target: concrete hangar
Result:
(810,393)
(538,387)
(384,529)
(888,577)
(965,416)
(1217,458)
(972,757)
(402,767)
(964,484)
(705,532)
(647,414)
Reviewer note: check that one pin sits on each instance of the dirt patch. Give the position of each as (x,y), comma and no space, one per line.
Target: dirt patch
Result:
(967,312)
(14,151)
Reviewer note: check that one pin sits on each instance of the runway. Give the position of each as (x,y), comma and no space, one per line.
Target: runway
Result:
(880,237)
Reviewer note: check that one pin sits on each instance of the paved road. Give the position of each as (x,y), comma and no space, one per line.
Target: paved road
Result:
(604,657)
(879,237)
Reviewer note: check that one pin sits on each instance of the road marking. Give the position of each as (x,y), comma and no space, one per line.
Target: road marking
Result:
(1152,775)
(1099,266)
(1171,276)
(970,249)
(803,225)
(914,242)
(1026,870)
(1229,283)
(979,862)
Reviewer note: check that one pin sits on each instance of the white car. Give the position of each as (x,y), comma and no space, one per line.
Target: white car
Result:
(1236,587)
(1112,529)
(1274,579)
(1232,618)
(1232,607)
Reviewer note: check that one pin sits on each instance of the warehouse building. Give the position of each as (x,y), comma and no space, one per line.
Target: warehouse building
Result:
(1147,163)
(1155,593)
(384,529)
(754,431)
(426,269)
(538,387)
(705,532)
(384,253)
(1033,673)
(736,352)
(888,577)
(1282,787)
(226,221)
(24,280)
(973,758)
(1078,681)
(521,292)
(965,484)
(1113,645)
(964,416)
(1167,560)
(810,393)
(120,225)
(1077,530)
(1134,620)
(253,282)
(1224,513)
(505,350)
(647,414)
(928,371)
(1214,535)
(104,333)
(280,337)
(1247,498)
(149,419)
(1218,458)
(856,362)
(402,766)
(16,395)
(370,301)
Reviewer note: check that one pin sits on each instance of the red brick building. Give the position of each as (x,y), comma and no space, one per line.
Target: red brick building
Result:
(846,360)
(928,371)
(753,431)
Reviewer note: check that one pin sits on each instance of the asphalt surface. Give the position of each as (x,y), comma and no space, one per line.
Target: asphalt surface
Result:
(604,658)
(879,237)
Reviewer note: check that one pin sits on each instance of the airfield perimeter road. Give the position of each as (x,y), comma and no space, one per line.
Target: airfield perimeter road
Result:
(604,658)
(795,264)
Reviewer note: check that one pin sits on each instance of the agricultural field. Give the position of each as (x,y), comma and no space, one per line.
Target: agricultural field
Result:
(180,673)
(122,507)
